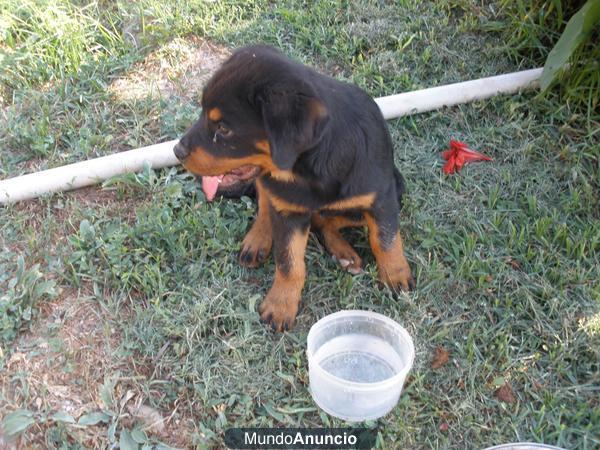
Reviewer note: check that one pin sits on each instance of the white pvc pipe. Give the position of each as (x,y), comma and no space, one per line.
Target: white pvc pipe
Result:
(86,173)
(94,171)
(453,94)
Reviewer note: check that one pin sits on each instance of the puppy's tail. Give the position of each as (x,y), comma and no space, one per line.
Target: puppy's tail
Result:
(400,186)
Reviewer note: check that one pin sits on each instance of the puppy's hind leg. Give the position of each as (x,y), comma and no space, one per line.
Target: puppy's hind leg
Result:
(328,230)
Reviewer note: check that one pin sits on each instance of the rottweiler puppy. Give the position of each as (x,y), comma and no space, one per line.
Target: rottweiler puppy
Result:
(319,154)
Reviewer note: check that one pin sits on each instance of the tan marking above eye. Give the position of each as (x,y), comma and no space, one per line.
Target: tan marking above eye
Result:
(263,146)
(317,110)
(215,114)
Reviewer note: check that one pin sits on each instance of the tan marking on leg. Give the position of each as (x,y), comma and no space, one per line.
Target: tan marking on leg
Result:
(334,242)
(391,262)
(280,306)
(339,222)
(256,246)
(364,201)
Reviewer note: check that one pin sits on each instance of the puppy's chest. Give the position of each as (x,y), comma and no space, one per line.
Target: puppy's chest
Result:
(303,196)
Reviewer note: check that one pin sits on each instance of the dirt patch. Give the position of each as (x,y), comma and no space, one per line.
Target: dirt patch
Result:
(90,195)
(65,362)
(114,202)
(68,363)
(180,68)
(63,208)
(60,364)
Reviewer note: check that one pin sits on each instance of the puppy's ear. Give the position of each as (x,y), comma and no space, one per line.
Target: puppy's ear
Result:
(294,119)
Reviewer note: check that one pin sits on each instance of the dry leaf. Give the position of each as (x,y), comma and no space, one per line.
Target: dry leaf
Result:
(514,263)
(151,418)
(440,358)
(505,393)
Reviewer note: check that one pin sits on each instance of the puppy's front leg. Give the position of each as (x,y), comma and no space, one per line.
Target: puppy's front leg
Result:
(257,243)
(290,235)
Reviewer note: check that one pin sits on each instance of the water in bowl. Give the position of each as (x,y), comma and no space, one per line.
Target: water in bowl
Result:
(361,358)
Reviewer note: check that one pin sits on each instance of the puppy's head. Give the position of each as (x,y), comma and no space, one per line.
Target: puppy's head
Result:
(259,114)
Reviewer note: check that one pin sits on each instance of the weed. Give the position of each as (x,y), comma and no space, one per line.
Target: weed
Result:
(21,299)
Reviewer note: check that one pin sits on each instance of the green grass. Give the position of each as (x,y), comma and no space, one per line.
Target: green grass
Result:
(505,253)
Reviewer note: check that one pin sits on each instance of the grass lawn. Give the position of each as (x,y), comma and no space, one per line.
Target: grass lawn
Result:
(124,316)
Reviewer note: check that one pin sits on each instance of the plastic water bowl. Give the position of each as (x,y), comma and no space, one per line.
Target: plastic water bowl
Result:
(357,364)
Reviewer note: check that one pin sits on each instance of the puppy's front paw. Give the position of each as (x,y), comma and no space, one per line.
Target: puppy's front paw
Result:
(279,308)
(255,247)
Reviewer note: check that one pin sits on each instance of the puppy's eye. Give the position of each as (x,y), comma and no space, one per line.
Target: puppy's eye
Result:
(222,130)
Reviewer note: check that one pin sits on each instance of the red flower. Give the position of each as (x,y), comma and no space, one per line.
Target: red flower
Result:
(458,155)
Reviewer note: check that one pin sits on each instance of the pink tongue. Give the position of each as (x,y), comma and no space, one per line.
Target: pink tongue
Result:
(210,186)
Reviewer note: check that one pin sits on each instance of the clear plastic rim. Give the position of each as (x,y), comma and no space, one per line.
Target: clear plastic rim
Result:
(363,315)
(535,445)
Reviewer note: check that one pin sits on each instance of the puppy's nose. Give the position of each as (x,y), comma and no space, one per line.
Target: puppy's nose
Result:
(180,151)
